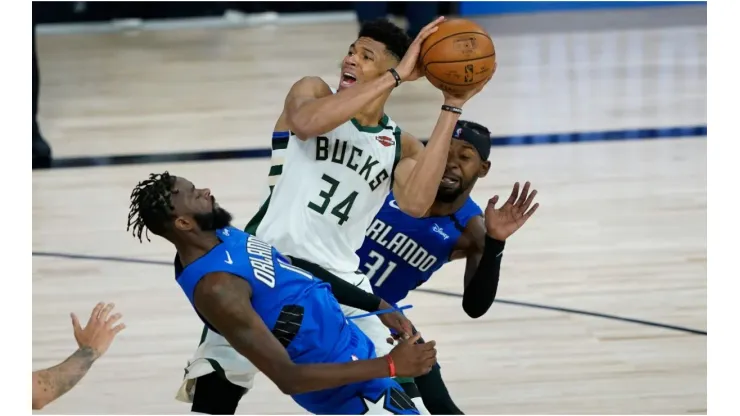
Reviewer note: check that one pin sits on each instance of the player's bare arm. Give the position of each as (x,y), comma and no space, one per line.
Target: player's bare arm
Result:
(482,245)
(311,109)
(223,300)
(419,172)
(51,383)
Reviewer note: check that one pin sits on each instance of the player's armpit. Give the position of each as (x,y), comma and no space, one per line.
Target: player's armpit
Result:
(482,267)
(224,301)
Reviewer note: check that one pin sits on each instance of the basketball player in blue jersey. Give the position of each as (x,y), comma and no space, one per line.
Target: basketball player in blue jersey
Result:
(281,318)
(336,155)
(401,252)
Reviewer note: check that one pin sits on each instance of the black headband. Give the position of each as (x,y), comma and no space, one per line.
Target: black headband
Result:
(481,142)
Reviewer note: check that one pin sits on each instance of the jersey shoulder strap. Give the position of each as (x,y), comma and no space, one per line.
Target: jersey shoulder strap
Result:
(469,210)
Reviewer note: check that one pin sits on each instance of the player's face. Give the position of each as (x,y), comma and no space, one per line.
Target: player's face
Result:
(196,207)
(464,167)
(366,60)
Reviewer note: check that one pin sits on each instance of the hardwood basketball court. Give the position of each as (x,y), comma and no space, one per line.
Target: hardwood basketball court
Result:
(621,230)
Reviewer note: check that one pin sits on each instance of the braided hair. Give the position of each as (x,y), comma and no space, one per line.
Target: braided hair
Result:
(151,205)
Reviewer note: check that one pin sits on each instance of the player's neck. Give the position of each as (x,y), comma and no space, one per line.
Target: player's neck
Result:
(443,209)
(194,247)
(371,115)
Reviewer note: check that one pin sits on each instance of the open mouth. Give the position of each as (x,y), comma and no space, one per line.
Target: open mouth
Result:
(347,80)
(449,180)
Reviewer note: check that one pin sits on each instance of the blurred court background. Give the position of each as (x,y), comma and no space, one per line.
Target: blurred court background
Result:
(602,105)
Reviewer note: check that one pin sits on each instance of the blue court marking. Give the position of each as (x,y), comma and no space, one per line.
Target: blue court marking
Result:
(513,140)
(73,256)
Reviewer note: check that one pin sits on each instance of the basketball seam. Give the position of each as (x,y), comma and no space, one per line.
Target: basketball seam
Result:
(461,60)
(449,36)
(455,85)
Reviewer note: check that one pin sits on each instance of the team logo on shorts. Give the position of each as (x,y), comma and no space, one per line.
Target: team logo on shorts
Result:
(385,140)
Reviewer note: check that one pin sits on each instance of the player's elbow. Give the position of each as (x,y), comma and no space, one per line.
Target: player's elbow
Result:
(411,207)
(292,385)
(475,308)
(38,403)
(304,124)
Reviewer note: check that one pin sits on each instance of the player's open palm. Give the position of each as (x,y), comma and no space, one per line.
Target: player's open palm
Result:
(99,332)
(409,69)
(413,360)
(503,222)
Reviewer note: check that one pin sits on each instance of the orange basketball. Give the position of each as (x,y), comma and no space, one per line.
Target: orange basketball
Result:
(458,56)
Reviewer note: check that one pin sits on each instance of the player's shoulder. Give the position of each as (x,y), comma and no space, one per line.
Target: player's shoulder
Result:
(311,85)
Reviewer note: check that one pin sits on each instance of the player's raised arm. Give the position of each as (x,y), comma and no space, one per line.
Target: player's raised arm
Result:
(310,107)
(483,243)
(419,172)
(224,301)
(93,341)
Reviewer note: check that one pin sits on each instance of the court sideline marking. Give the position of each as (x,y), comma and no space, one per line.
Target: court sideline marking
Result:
(73,256)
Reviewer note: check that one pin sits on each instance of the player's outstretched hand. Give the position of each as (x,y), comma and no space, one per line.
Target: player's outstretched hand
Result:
(99,332)
(395,320)
(414,360)
(409,69)
(502,222)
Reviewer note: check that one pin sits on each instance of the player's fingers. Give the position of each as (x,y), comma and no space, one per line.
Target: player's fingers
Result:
(429,345)
(106,310)
(112,320)
(514,193)
(75,323)
(414,338)
(118,328)
(96,312)
(531,211)
(428,29)
(525,193)
(433,24)
(529,200)
(492,202)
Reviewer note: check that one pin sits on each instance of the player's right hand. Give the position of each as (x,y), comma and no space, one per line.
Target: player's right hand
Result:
(409,69)
(414,360)
(99,332)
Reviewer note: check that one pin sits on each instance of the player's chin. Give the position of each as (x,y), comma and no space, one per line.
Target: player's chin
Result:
(447,193)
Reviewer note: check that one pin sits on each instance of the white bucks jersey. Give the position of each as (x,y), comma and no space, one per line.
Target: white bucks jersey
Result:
(325,192)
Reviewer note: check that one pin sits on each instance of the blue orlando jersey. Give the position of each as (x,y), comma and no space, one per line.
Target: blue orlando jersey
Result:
(401,252)
(299,309)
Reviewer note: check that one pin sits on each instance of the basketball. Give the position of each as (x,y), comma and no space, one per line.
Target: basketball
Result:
(458,56)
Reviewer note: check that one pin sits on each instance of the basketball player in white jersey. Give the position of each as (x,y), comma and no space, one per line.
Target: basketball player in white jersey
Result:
(336,156)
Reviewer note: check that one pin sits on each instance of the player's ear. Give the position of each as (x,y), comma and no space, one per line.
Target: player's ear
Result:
(484,167)
(183,223)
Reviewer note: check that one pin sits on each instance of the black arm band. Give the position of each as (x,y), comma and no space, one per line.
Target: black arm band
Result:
(481,291)
(395,76)
(345,292)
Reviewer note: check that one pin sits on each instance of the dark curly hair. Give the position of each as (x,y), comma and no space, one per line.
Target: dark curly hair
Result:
(151,205)
(396,41)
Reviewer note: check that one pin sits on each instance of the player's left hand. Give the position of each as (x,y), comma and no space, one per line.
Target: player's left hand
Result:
(502,222)
(395,320)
